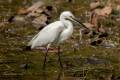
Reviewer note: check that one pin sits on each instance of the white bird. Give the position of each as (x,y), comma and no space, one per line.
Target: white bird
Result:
(55,33)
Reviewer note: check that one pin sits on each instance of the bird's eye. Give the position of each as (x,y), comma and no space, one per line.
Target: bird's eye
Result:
(66,18)
(71,16)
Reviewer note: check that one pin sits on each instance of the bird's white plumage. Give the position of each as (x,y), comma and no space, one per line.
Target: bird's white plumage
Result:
(55,32)
(47,35)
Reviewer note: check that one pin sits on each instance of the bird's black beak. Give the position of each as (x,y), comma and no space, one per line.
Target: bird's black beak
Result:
(77,21)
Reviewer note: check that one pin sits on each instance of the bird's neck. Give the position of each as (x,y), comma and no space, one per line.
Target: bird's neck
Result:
(67,23)
(68,26)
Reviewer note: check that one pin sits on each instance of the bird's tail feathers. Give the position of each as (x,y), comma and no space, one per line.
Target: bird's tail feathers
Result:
(28,48)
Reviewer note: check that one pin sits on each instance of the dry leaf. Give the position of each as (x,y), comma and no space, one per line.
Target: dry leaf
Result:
(106,11)
(40,21)
(22,11)
(94,5)
(36,6)
(89,25)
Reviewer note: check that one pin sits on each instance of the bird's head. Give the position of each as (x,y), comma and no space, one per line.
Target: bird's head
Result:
(67,15)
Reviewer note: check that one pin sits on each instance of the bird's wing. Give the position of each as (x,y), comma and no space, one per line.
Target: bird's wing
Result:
(30,43)
(47,35)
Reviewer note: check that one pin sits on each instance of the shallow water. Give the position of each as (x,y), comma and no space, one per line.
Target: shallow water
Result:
(16,63)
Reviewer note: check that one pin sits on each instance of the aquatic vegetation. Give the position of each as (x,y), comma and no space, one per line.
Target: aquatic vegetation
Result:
(85,63)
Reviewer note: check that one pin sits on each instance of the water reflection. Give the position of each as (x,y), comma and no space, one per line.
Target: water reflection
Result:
(44,75)
(58,76)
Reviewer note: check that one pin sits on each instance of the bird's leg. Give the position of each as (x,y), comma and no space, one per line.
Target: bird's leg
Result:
(46,54)
(44,64)
(59,58)
(60,75)
(80,38)
(44,75)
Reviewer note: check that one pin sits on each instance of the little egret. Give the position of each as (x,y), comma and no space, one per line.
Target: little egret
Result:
(55,33)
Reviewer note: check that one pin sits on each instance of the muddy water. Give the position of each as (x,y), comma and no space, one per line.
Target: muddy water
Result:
(18,64)
(15,63)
